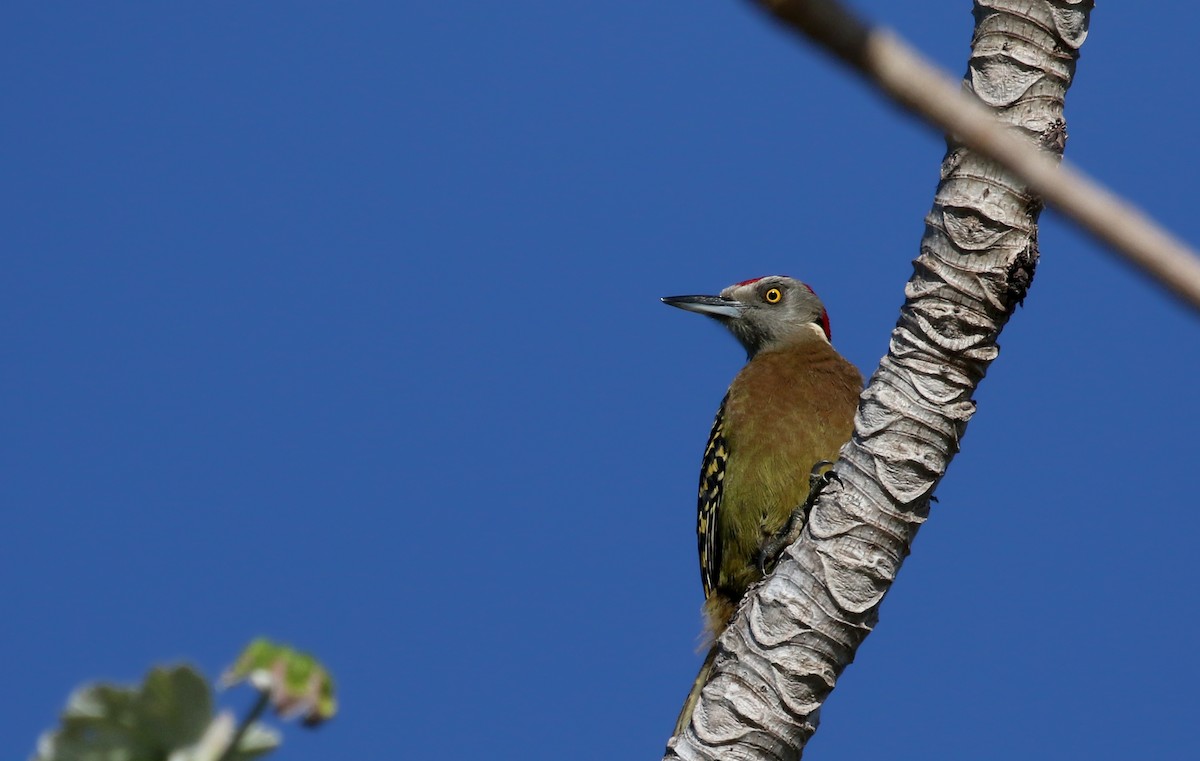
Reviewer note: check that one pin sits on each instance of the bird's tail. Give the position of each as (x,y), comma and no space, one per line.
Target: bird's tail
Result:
(685,716)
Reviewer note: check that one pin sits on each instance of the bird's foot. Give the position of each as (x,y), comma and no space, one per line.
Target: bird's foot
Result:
(773,546)
(822,473)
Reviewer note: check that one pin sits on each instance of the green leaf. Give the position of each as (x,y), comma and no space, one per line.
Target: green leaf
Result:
(295,681)
(105,722)
(175,706)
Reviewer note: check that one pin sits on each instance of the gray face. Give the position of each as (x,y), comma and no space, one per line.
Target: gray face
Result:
(764,314)
(776,311)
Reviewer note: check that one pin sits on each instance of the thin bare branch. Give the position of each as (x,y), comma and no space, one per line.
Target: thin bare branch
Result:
(937,98)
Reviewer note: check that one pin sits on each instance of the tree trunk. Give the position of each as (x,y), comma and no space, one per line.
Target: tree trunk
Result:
(795,633)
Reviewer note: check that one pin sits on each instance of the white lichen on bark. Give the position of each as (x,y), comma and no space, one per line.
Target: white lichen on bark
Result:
(795,633)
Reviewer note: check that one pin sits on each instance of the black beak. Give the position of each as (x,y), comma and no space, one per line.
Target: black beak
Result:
(713,306)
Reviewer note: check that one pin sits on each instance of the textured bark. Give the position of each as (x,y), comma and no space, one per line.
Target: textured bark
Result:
(796,632)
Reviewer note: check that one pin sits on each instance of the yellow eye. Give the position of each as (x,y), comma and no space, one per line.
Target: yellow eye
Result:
(773,296)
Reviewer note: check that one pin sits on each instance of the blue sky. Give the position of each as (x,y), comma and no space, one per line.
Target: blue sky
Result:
(339,323)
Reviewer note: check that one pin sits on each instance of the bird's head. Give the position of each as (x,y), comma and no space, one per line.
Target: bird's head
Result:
(764,313)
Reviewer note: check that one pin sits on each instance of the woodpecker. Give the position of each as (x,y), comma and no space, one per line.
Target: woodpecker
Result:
(787,412)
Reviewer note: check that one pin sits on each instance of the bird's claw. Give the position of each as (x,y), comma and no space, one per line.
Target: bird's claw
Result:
(822,473)
(773,546)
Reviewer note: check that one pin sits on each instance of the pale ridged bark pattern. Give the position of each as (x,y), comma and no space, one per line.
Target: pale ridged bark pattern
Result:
(797,631)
